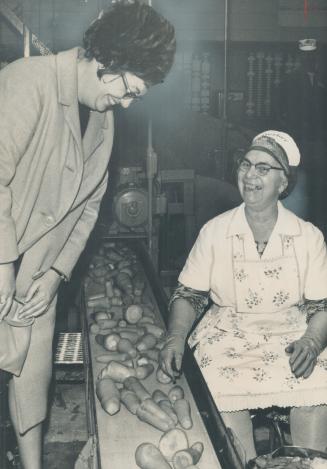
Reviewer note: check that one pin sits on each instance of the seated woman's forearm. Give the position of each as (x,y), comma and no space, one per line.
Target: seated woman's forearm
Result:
(185,305)
(312,307)
(317,329)
(182,317)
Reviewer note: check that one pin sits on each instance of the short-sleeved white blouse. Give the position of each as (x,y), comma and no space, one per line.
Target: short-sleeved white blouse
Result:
(209,266)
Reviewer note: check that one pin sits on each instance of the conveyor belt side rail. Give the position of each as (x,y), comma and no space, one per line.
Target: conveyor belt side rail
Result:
(89,395)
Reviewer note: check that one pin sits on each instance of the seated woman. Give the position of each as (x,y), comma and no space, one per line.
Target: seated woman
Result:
(261,342)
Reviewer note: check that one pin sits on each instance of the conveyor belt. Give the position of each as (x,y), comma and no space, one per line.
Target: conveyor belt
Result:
(119,435)
(69,349)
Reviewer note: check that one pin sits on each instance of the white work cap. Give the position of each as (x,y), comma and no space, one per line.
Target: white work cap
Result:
(273,141)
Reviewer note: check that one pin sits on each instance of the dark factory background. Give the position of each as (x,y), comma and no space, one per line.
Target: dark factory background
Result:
(181,142)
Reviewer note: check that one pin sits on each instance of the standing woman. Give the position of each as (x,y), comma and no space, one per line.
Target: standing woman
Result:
(265,270)
(53,175)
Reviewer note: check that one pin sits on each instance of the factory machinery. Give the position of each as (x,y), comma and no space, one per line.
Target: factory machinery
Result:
(151,205)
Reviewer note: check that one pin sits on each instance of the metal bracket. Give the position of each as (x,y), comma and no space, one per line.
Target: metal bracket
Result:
(18,24)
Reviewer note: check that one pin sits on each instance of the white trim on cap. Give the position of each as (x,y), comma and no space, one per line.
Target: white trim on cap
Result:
(286,142)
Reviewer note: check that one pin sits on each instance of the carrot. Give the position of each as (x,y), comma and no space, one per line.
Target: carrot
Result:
(157,331)
(159,395)
(138,330)
(182,459)
(116,301)
(146,320)
(108,395)
(172,441)
(133,384)
(106,323)
(148,456)
(127,270)
(113,256)
(110,342)
(130,400)
(148,341)
(98,302)
(152,354)
(124,263)
(133,337)
(162,377)
(128,300)
(99,315)
(130,363)
(133,314)
(111,273)
(148,311)
(142,361)
(124,282)
(111,356)
(125,346)
(149,412)
(168,408)
(109,288)
(196,451)
(117,292)
(96,329)
(99,271)
(139,285)
(143,371)
(117,371)
(183,411)
(176,392)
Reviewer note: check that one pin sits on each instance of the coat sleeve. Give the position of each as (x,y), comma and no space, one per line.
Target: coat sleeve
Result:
(20,105)
(76,242)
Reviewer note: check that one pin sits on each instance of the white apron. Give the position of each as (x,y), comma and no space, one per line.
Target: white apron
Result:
(241,351)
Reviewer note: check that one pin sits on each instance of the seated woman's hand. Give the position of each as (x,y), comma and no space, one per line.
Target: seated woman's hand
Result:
(171,355)
(303,356)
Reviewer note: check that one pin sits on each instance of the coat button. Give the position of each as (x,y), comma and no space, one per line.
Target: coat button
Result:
(49,220)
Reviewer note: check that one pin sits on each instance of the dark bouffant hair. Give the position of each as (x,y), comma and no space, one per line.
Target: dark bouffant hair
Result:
(132,37)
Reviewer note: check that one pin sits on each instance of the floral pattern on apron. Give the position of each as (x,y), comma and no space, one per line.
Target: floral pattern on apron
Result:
(241,349)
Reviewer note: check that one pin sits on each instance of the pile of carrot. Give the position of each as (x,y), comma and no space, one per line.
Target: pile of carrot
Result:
(125,326)
(173,450)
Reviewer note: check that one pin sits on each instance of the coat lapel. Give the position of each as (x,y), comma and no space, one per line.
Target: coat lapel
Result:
(94,133)
(67,92)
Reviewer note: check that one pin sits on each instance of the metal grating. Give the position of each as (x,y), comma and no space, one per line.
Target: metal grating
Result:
(69,349)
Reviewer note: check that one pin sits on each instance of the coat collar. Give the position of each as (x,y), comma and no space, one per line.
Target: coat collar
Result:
(287,222)
(68,97)
(67,76)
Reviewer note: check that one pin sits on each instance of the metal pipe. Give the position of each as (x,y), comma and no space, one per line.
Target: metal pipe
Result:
(151,169)
(27,41)
(225,95)
(226,37)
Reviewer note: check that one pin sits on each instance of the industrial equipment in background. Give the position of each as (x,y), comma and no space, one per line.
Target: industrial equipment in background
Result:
(164,215)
